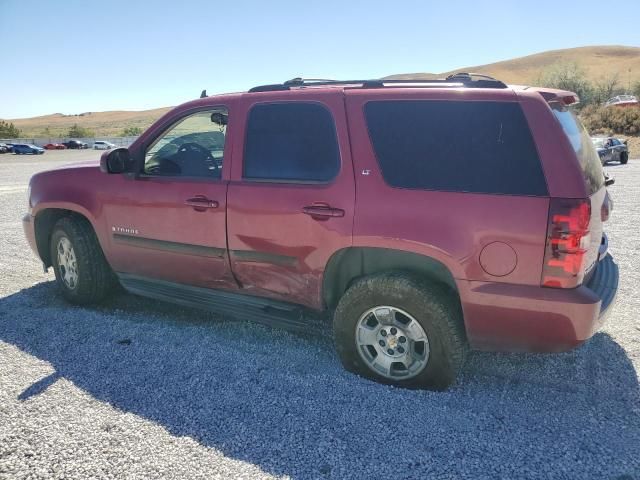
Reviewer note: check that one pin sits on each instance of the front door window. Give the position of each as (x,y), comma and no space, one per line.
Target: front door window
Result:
(193,147)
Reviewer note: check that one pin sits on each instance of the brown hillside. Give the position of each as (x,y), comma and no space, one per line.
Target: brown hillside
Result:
(597,62)
(102,123)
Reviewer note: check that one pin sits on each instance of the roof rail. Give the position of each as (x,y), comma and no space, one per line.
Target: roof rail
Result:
(469,80)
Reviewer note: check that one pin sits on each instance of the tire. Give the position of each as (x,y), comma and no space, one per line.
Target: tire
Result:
(624,158)
(434,307)
(93,279)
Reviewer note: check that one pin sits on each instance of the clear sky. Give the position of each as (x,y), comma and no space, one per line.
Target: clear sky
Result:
(73,56)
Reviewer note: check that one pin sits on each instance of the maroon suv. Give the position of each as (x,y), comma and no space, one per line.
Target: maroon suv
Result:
(425,217)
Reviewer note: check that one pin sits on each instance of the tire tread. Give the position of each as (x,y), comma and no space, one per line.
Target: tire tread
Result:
(97,278)
(447,325)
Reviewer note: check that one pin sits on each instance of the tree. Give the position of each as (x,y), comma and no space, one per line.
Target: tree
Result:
(605,88)
(568,76)
(79,132)
(8,130)
(131,132)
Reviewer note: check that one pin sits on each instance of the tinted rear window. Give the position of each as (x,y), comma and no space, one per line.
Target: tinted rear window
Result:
(291,142)
(582,145)
(482,147)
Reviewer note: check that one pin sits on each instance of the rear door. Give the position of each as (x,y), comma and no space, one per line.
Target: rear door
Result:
(291,199)
(617,147)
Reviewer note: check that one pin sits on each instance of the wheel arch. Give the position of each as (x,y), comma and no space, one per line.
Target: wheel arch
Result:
(348,264)
(44,222)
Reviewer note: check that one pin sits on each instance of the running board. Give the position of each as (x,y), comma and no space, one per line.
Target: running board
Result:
(240,306)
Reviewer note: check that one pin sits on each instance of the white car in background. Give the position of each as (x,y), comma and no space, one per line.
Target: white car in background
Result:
(100,145)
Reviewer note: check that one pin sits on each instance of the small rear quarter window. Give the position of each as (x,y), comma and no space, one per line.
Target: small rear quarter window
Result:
(582,145)
(462,146)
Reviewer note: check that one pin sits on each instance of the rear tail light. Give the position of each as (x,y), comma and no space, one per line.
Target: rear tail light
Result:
(570,100)
(568,240)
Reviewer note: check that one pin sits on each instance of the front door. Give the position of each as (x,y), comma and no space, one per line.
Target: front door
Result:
(291,198)
(168,222)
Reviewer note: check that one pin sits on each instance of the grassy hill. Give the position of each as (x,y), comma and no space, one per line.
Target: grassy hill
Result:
(597,62)
(102,123)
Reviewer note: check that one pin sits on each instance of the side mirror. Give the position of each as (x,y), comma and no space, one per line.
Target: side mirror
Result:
(117,160)
(219,118)
(625,141)
(608,180)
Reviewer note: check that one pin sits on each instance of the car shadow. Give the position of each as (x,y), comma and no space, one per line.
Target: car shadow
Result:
(283,402)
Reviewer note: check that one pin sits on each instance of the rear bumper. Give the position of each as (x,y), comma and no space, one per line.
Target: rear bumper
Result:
(505,317)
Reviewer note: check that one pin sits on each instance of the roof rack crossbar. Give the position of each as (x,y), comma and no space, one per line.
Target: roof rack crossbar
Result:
(464,79)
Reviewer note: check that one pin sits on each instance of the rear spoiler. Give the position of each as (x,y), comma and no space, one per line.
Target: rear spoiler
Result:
(563,96)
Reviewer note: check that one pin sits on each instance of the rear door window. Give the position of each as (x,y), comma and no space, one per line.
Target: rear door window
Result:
(582,144)
(291,142)
(462,146)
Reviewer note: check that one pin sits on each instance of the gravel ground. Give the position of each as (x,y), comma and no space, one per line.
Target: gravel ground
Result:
(138,389)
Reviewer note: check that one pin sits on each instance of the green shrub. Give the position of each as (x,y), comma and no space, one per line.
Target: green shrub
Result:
(611,120)
(131,132)
(79,132)
(8,130)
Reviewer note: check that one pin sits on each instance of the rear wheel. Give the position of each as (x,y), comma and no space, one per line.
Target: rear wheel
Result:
(82,273)
(624,158)
(398,329)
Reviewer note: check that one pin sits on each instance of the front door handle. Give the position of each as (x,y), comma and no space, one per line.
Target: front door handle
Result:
(200,203)
(322,211)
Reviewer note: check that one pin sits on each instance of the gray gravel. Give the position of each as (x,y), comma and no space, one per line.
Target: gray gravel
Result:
(138,389)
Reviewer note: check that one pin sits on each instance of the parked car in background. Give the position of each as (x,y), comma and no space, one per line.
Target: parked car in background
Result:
(611,149)
(102,145)
(22,148)
(54,146)
(75,144)
(622,101)
(4,148)
(334,201)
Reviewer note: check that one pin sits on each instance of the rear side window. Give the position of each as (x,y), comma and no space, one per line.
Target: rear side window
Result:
(583,146)
(481,147)
(291,142)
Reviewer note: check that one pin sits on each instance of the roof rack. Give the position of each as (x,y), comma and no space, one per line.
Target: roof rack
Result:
(468,80)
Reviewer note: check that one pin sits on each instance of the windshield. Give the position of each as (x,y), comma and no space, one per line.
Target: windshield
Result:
(582,145)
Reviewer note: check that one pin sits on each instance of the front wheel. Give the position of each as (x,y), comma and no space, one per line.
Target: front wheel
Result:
(624,158)
(82,273)
(400,330)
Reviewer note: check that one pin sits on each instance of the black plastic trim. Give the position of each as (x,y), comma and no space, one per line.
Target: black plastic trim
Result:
(604,282)
(466,80)
(174,247)
(237,305)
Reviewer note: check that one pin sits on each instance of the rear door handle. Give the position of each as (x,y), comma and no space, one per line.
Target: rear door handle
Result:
(200,203)
(322,211)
